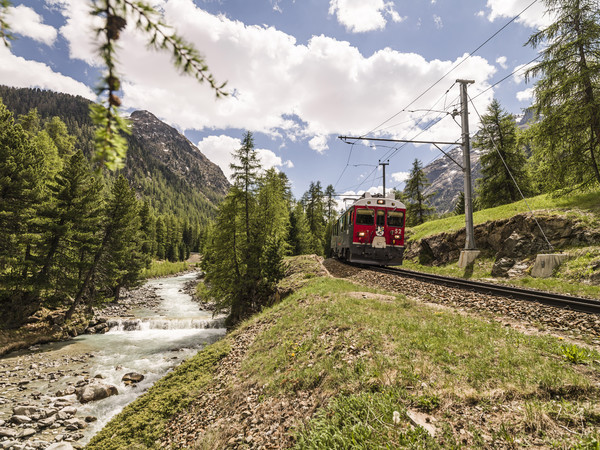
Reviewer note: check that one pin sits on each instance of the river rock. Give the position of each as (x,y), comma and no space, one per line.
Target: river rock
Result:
(26,433)
(96,391)
(47,421)
(75,424)
(60,446)
(67,412)
(20,419)
(8,432)
(69,390)
(25,410)
(132,378)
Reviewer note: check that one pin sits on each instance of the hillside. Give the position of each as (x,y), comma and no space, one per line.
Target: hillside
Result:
(164,167)
(510,236)
(374,369)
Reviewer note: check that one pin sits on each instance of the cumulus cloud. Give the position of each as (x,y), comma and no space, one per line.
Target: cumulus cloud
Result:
(282,88)
(502,62)
(534,17)
(359,16)
(219,149)
(400,177)
(19,72)
(318,143)
(526,95)
(26,22)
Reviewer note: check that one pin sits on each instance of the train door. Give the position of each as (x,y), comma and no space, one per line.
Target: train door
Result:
(379,240)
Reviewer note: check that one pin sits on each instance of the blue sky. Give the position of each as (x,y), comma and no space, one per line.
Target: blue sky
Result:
(303,72)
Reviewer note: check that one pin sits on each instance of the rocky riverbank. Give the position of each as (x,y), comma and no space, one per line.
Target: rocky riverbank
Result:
(43,389)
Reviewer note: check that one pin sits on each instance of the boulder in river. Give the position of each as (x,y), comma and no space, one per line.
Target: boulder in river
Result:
(132,378)
(95,391)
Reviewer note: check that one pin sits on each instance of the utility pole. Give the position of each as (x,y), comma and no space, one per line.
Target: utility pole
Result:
(384,164)
(470,252)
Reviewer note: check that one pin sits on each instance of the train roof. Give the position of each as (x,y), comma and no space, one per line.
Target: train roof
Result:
(369,199)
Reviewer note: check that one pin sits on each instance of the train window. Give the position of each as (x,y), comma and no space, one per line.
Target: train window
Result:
(380,218)
(395,218)
(364,216)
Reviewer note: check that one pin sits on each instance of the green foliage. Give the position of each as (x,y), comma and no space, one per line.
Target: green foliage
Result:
(566,142)
(313,201)
(299,238)
(364,421)
(245,246)
(574,354)
(503,162)
(143,422)
(460,204)
(417,203)
(66,240)
(5,33)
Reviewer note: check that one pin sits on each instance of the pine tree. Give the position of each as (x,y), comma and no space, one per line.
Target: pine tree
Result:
(417,203)
(22,187)
(498,140)
(299,234)
(314,206)
(459,208)
(567,94)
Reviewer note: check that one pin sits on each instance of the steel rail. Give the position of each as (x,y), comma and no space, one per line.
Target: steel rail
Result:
(581,304)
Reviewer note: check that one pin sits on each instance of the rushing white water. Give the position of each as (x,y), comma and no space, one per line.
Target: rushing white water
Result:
(151,345)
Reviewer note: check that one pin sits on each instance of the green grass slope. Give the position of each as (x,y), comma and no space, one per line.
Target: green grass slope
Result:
(375,362)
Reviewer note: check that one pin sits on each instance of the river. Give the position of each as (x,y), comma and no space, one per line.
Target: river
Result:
(152,343)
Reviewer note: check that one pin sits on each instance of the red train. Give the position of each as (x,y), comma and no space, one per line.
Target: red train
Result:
(371,231)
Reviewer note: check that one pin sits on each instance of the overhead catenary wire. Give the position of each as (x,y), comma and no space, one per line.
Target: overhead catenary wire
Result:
(454,67)
(550,246)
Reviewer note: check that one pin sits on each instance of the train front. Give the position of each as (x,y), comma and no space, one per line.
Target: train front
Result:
(374,231)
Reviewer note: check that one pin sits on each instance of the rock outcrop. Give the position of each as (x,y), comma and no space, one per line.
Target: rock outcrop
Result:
(508,240)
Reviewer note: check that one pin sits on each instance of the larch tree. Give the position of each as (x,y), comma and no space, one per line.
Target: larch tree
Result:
(567,93)
(503,161)
(417,202)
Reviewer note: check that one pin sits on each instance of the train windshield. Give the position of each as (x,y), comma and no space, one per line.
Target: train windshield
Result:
(395,218)
(364,216)
(380,218)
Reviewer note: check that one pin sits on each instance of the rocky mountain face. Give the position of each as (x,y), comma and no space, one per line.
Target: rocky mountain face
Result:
(159,144)
(447,180)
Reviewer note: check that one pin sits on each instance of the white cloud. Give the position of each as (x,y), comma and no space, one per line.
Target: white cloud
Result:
(318,143)
(275,78)
(26,22)
(502,61)
(437,20)
(519,72)
(359,16)
(19,72)
(525,95)
(534,17)
(219,149)
(400,176)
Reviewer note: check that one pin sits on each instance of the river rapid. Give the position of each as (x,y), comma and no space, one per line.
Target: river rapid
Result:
(150,343)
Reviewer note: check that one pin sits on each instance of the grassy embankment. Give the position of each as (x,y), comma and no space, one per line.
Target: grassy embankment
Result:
(374,358)
(584,207)
(163,268)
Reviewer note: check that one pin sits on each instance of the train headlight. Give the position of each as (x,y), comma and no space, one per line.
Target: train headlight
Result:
(361,234)
(396,236)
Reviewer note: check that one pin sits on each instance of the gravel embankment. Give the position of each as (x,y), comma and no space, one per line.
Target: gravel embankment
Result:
(526,316)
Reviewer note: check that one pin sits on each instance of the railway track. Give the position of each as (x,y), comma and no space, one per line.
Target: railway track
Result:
(581,304)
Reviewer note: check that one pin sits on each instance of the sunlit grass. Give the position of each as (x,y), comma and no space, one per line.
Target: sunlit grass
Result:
(164,268)
(586,202)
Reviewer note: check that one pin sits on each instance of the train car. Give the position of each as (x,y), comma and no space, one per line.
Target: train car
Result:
(371,231)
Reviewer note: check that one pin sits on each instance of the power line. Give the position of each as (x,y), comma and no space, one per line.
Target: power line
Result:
(454,67)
